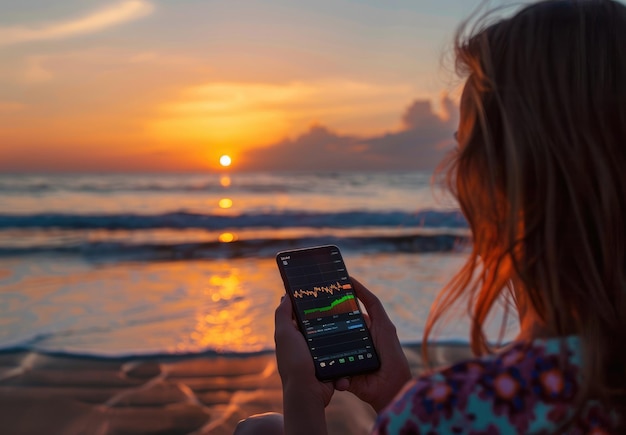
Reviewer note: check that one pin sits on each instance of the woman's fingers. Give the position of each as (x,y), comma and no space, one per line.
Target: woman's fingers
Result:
(283,318)
(371,302)
(368,321)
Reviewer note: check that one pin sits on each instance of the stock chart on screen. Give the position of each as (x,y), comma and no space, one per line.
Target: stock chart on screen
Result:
(327,308)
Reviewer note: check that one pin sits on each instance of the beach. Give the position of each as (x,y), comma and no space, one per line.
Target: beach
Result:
(144,303)
(193,394)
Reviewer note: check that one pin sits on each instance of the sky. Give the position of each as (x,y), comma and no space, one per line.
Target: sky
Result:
(171,85)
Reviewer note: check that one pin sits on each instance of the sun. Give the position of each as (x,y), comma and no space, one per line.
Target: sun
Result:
(225,161)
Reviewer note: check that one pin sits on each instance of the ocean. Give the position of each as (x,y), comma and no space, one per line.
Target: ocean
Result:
(118,265)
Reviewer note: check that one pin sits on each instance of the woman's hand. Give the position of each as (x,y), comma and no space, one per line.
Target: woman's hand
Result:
(304,396)
(380,387)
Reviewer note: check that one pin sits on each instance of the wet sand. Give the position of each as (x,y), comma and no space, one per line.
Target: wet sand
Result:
(51,394)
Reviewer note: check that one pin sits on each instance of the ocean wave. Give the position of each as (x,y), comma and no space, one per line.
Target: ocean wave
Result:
(261,183)
(134,187)
(184,220)
(264,247)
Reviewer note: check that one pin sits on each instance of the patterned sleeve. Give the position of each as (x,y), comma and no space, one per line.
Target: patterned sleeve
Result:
(430,404)
(524,390)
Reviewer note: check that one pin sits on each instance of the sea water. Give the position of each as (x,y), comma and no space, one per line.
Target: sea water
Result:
(123,265)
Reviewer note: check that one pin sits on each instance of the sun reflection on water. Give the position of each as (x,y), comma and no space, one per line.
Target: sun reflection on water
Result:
(225,203)
(229,324)
(225,181)
(227,237)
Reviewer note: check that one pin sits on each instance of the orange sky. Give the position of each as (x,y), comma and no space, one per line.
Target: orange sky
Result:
(139,85)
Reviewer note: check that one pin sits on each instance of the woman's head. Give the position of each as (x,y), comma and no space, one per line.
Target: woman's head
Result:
(540,170)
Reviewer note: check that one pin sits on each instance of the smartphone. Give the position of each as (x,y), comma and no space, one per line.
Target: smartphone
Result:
(327,312)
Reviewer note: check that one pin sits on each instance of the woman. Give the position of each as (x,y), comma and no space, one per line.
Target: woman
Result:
(540,176)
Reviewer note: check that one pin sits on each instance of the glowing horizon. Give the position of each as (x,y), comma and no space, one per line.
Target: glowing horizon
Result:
(148,85)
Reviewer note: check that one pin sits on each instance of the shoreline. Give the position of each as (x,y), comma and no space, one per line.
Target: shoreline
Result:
(165,356)
(173,394)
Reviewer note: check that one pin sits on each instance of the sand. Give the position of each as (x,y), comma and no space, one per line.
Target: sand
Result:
(205,394)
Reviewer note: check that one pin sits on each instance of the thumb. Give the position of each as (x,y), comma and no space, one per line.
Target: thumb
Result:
(283,317)
(342,384)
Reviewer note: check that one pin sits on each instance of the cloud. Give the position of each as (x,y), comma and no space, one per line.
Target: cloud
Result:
(228,117)
(123,12)
(419,144)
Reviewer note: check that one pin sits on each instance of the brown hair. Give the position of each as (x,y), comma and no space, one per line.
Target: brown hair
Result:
(540,174)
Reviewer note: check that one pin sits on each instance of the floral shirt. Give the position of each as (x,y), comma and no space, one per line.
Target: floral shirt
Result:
(526,389)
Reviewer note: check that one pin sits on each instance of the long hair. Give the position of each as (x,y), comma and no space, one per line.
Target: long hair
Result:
(540,174)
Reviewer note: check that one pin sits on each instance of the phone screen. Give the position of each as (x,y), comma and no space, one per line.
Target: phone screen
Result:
(327,311)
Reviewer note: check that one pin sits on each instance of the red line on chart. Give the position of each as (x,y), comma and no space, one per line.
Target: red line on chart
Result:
(330,289)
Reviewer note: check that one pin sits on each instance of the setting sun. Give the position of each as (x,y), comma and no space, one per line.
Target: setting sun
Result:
(225,161)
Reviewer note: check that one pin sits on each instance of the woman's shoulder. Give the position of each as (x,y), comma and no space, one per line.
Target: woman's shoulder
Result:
(529,387)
